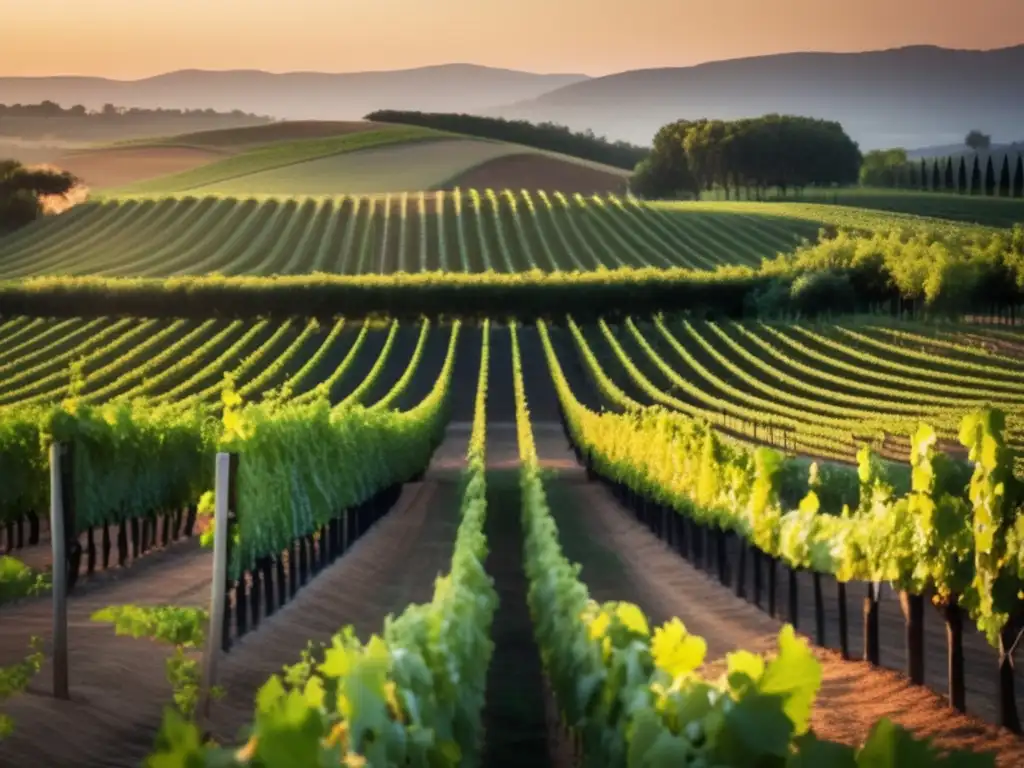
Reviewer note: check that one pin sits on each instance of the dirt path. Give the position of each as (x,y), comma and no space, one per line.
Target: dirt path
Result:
(622,560)
(111,723)
(520,719)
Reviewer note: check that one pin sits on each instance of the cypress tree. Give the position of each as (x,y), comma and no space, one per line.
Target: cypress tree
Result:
(1018,178)
(948,184)
(1004,176)
(936,176)
(961,177)
(924,176)
(975,176)
(990,178)
(910,177)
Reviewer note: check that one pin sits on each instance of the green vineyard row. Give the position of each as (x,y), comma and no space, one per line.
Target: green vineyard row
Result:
(637,697)
(471,232)
(415,694)
(817,392)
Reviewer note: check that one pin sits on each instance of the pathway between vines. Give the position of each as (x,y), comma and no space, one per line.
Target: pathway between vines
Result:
(622,560)
(520,721)
(118,685)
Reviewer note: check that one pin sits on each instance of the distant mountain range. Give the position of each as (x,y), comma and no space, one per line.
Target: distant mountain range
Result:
(955,150)
(910,97)
(296,95)
(917,96)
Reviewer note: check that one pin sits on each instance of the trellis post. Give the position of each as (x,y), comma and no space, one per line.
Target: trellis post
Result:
(218,586)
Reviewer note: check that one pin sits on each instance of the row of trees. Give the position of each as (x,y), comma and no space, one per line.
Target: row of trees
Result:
(550,136)
(773,151)
(892,169)
(47,109)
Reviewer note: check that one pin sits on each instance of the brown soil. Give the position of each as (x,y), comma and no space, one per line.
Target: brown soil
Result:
(111,721)
(536,171)
(520,717)
(119,166)
(622,560)
(997,345)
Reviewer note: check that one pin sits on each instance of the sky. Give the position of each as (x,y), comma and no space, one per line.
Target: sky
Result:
(128,39)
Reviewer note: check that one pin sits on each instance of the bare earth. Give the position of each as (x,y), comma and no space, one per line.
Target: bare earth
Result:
(531,170)
(120,166)
(622,560)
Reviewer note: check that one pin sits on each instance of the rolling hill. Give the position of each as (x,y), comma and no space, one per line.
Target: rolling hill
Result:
(329,158)
(912,96)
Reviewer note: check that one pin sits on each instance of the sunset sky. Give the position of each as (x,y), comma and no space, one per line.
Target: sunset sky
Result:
(136,38)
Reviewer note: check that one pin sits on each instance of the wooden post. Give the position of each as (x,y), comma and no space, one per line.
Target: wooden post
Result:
(794,607)
(871,624)
(844,638)
(955,654)
(60,576)
(741,567)
(758,557)
(218,587)
(1009,636)
(819,610)
(913,614)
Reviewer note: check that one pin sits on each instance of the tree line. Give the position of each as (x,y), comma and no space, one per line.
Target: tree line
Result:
(46,109)
(550,136)
(920,271)
(890,168)
(753,154)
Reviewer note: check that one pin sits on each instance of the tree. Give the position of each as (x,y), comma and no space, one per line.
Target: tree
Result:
(936,176)
(975,187)
(1018,178)
(948,177)
(990,178)
(881,167)
(978,141)
(21,190)
(1004,176)
(778,151)
(961,178)
(909,177)
(665,172)
(924,175)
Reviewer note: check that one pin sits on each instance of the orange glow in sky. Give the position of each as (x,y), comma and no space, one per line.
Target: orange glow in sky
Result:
(136,38)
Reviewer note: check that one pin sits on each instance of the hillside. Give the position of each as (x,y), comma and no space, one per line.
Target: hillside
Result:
(939,95)
(330,158)
(957,149)
(296,95)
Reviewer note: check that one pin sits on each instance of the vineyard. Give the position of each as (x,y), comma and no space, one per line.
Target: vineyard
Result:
(502,478)
(469,232)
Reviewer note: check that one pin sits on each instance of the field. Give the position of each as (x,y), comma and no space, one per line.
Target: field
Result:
(472,231)
(744,475)
(985,211)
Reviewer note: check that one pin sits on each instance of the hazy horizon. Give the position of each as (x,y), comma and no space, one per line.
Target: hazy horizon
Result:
(126,40)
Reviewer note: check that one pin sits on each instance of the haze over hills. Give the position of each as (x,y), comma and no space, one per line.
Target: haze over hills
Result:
(918,96)
(296,95)
(911,97)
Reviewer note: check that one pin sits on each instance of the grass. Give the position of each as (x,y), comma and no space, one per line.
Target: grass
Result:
(969,209)
(403,167)
(275,156)
(825,214)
